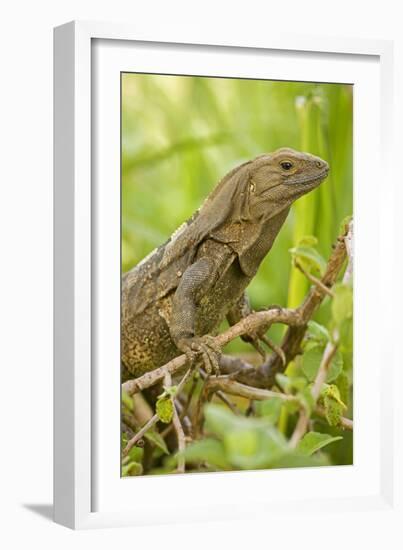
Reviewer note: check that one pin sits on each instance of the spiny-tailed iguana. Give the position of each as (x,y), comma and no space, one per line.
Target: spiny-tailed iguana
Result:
(175,299)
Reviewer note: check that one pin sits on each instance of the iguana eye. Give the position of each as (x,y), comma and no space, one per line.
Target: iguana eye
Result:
(286,165)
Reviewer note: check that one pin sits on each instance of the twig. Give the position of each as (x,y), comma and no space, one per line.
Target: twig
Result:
(313,279)
(303,420)
(235,388)
(274,347)
(327,357)
(129,422)
(220,394)
(181,441)
(189,398)
(225,383)
(204,396)
(180,435)
(183,381)
(153,420)
(187,425)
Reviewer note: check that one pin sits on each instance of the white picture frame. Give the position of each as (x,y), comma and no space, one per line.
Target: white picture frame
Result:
(88,491)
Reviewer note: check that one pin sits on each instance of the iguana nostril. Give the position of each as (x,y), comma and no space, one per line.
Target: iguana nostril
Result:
(319,164)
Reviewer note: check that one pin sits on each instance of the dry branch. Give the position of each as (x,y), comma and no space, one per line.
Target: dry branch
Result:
(256,394)
(250,323)
(235,388)
(264,377)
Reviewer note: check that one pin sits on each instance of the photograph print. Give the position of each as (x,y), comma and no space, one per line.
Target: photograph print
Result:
(237,274)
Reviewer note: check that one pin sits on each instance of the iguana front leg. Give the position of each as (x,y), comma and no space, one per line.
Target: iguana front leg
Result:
(195,282)
(241,310)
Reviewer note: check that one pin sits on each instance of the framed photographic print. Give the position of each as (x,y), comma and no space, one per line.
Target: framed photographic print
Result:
(218,231)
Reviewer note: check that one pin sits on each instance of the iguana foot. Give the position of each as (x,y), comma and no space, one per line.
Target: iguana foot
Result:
(204,347)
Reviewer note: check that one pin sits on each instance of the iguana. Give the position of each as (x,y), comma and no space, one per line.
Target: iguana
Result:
(174,300)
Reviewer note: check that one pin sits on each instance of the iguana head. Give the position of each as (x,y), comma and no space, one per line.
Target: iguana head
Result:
(275,180)
(292,172)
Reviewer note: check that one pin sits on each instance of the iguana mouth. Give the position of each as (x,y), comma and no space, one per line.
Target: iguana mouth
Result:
(309,179)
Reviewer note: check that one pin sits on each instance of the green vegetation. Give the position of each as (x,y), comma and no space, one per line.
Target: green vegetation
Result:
(180,135)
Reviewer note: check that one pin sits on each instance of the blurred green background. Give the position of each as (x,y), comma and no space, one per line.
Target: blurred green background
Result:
(181,134)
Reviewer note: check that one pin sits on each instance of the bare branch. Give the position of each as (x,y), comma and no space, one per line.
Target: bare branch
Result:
(291,317)
(235,388)
(303,420)
(313,279)
(180,435)
(181,441)
(221,395)
(153,420)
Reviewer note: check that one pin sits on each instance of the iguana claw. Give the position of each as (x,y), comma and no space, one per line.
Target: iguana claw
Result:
(204,347)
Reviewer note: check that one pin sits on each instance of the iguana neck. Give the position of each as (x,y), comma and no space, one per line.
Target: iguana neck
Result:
(252,241)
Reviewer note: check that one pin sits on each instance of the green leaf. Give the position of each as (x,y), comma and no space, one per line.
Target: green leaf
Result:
(334,406)
(254,448)
(292,406)
(317,333)
(164,409)
(156,438)
(297,459)
(306,399)
(207,450)
(343,383)
(342,303)
(310,259)
(346,330)
(136,454)
(132,469)
(270,409)
(313,441)
(218,420)
(248,442)
(312,358)
(298,382)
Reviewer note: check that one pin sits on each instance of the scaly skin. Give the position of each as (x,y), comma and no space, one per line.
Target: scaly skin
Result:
(174,300)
